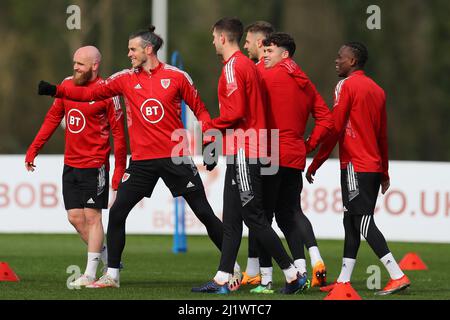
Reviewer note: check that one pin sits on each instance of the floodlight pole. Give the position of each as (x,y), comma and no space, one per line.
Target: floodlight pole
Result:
(159,20)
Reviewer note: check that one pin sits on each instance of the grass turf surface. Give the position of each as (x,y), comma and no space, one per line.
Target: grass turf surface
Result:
(152,271)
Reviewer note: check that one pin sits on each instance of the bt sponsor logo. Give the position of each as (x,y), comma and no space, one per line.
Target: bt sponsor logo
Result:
(152,110)
(75,121)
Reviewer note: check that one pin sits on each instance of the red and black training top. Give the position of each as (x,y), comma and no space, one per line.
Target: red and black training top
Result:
(153,102)
(292,97)
(360,122)
(242,108)
(88,126)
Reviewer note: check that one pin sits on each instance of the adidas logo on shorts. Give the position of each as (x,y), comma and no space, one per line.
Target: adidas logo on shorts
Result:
(190,185)
(91,201)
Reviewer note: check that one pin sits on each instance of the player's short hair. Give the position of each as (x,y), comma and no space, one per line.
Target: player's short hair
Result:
(283,40)
(149,38)
(232,27)
(263,27)
(359,51)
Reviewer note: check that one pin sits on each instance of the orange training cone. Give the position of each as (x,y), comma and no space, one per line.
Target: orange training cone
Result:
(412,261)
(343,291)
(6,273)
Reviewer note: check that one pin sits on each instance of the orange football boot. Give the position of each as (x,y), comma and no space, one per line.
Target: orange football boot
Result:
(246,279)
(319,276)
(394,286)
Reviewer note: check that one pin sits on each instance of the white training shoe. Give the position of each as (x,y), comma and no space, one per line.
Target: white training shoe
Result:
(82,281)
(105,281)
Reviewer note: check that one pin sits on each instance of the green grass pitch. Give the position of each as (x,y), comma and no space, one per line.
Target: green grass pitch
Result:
(152,271)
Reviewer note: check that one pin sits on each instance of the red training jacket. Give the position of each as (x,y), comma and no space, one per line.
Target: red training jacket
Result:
(153,103)
(360,121)
(241,106)
(292,98)
(88,125)
(260,65)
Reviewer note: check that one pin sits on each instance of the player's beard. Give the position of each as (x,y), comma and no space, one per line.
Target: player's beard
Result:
(253,53)
(252,57)
(139,63)
(80,79)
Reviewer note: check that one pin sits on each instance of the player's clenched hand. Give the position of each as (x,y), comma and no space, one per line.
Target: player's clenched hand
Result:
(309,176)
(30,166)
(210,157)
(385,184)
(46,89)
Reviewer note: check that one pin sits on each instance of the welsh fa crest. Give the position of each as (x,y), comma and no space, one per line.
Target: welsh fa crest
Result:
(125,177)
(165,83)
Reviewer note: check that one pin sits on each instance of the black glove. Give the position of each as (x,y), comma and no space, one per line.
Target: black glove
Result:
(210,157)
(46,89)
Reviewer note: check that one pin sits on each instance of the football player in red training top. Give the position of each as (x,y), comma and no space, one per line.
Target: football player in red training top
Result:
(360,122)
(242,116)
(153,93)
(292,97)
(86,156)
(255,34)
(254,43)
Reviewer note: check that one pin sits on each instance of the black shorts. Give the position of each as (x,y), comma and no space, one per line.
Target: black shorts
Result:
(282,192)
(359,191)
(85,188)
(180,175)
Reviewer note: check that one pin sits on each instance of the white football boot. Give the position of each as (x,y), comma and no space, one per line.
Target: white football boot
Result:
(82,281)
(106,281)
